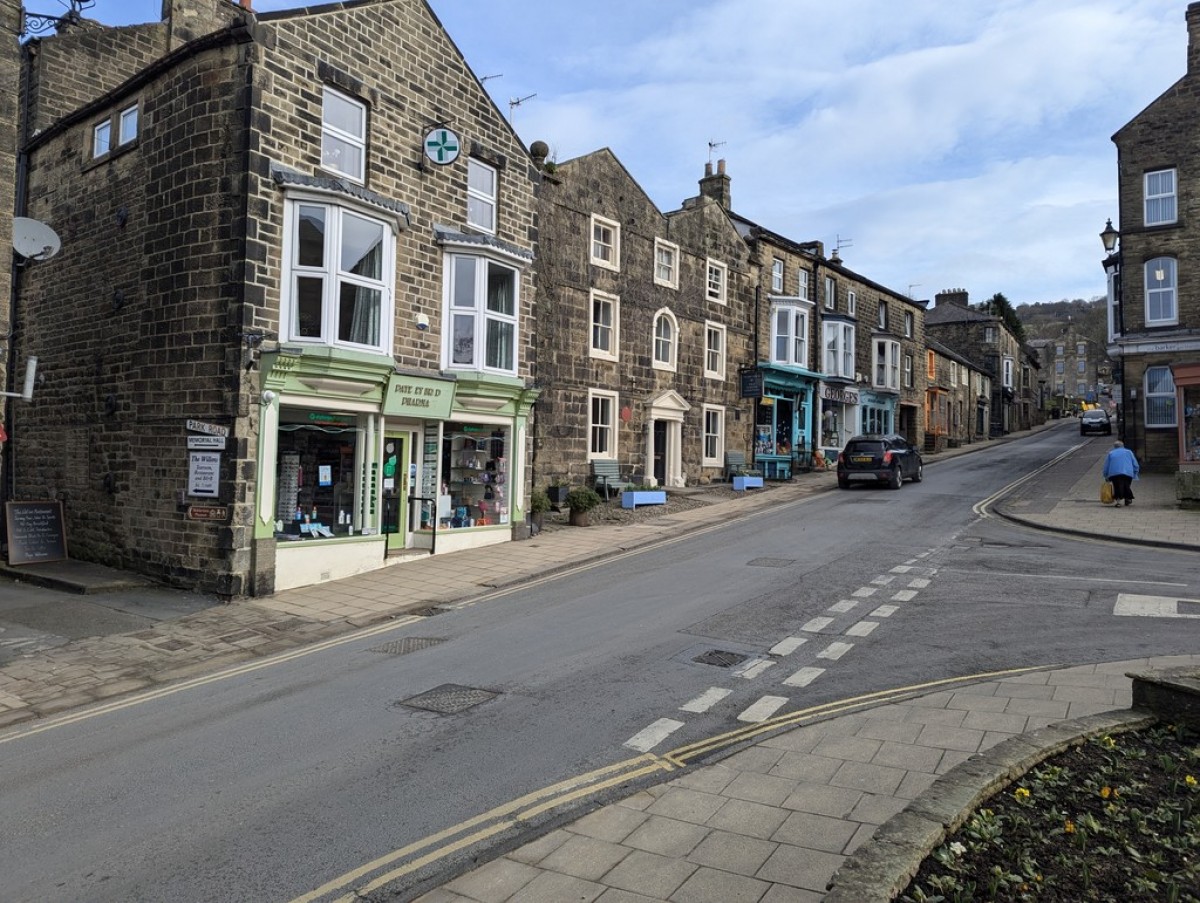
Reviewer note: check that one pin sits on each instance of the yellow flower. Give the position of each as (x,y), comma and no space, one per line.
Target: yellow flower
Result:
(1190,781)
(1021,793)
(1108,742)
(1069,826)
(1105,792)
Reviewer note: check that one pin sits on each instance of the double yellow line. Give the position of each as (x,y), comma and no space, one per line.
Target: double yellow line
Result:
(428,850)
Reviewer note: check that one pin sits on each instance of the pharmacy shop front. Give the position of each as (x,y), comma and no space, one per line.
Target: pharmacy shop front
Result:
(411,465)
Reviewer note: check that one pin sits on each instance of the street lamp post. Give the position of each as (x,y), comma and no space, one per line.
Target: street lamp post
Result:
(1111,239)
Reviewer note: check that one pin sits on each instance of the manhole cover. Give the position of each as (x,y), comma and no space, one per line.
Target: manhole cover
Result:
(448,699)
(720,658)
(407,644)
(770,562)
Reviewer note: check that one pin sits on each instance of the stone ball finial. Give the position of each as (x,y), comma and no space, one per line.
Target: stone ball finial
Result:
(539,151)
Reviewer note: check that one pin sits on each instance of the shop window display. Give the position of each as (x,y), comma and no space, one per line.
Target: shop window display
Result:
(475,465)
(315,478)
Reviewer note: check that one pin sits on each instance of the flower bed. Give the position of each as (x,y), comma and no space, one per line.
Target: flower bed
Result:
(1116,819)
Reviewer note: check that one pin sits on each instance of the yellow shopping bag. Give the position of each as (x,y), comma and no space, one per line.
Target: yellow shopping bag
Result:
(1106,493)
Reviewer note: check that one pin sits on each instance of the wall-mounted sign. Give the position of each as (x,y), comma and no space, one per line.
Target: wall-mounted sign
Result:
(211,429)
(418,397)
(212,442)
(442,146)
(208,512)
(204,474)
(838,394)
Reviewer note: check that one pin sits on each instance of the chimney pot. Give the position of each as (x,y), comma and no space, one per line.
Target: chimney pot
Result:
(721,167)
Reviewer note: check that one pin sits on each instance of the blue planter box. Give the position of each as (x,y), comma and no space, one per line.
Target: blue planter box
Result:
(740,484)
(631,498)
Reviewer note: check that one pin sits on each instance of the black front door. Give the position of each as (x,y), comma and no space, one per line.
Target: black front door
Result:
(660,452)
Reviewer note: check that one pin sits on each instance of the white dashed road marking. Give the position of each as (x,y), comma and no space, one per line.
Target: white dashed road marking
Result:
(787,646)
(885,611)
(905,595)
(705,700)
(752,668)
(862,628)
(843,606)
(835,650)
(864,592)
(918,582)
(763,709)
(816,625)
(804,677)
(645,740)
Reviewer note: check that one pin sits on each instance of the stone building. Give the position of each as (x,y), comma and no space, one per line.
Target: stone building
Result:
(984,340)
(957,399)
(642,323)
(286,336)
(1154,274)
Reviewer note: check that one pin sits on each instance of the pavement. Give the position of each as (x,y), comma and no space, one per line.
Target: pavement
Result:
(771,823)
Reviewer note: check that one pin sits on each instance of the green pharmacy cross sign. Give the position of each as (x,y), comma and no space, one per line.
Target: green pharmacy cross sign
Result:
(442,146)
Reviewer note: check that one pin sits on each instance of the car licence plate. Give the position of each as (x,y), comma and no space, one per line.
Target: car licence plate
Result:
(861,459)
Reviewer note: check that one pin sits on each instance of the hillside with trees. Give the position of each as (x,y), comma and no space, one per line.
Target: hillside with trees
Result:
(1053,319)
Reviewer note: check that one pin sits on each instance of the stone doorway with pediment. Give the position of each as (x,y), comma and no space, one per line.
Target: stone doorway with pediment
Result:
(664,439)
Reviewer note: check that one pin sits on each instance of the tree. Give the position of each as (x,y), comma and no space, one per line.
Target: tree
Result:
(999,305)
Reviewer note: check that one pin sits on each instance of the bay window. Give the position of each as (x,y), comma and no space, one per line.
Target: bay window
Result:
(338,277)
(839,349)
(789,335)
(887,364)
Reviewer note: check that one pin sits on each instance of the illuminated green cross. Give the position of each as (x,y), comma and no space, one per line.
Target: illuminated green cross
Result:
(441,146)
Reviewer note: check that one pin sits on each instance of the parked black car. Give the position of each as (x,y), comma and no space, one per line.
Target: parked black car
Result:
(1095,420)
(886,459)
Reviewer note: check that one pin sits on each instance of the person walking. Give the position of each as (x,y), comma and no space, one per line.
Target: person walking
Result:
(1121,469)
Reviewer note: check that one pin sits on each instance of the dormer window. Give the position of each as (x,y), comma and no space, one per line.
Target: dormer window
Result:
(343,135)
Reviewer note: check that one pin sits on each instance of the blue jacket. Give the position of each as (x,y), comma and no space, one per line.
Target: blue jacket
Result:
(1121,462)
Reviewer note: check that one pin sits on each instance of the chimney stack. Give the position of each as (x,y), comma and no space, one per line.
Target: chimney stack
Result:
(1193,27)
(716,187)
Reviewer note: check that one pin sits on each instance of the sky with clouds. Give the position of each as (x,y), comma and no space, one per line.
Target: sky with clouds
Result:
(944,144)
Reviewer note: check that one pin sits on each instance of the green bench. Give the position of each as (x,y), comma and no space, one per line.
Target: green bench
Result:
(606,478)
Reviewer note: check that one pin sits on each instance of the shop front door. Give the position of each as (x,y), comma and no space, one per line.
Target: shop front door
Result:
(660,452)
(395,486)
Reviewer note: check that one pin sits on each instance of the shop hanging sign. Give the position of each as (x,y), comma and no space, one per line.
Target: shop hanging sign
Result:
(415,396)
(752,382)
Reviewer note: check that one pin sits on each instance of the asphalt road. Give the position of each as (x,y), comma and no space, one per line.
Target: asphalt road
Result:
(403,748)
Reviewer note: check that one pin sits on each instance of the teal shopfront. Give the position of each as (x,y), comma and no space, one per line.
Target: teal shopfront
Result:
(783,421)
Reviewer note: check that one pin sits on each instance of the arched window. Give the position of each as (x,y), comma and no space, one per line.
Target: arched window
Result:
(666,340)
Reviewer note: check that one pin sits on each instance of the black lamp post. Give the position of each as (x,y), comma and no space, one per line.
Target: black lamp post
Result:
(1111,238)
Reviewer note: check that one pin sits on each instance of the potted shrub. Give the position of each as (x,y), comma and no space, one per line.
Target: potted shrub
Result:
(539,504)
(581,500)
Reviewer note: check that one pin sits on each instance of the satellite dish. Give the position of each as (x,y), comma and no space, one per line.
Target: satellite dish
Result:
(34,240)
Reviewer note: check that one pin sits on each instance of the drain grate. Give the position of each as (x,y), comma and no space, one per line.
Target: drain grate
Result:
(448,699)
(770,562)
(407,644)
(721,658)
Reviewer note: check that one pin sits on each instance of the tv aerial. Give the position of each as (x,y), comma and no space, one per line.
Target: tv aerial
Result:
(34,240)
(515,102)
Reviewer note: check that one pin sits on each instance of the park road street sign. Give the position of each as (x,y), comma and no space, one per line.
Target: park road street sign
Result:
(211,429)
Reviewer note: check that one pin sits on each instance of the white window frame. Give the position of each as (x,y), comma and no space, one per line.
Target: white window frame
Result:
(851,302)
(1007,382)
(354,138)
(838,349)
(602,431)
(908,371)
(886,367)
(486,321)
(789,334)
(481,199)
(883,314)
(777,275)
(716,281)
(1160,203)
(953,372)
(1161,292)
(668,346)
(127,125)
(989,334)
(830,293)
(604,250)
(669,250)
(909,324)
(715,350)
(802,285)
(598,330)
(712,451)
(966,377)
(102,139)
(336,219)
(1158,390)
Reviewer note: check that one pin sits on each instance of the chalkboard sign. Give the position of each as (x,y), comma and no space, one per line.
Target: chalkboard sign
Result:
(752,382)
(35,532)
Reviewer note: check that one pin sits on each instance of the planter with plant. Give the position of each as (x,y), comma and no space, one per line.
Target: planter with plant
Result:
(581,500)
(539,504)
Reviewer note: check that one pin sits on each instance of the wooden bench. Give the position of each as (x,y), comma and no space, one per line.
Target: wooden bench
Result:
(735,466)
(606,478)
